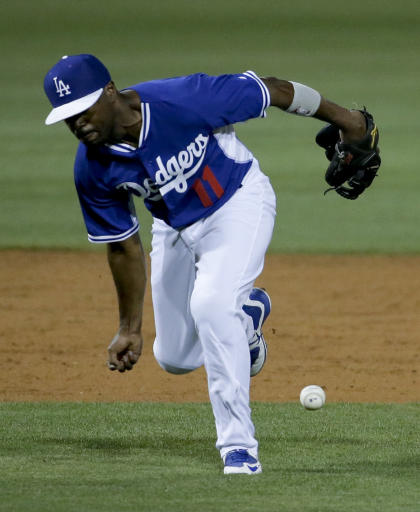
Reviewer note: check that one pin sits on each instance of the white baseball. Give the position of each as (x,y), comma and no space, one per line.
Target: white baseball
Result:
(312,397)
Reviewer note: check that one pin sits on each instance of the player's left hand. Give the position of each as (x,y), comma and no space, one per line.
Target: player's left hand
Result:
(354,165)
(124,351)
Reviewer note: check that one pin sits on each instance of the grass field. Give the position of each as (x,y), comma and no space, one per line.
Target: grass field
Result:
(156,457)
(160,457)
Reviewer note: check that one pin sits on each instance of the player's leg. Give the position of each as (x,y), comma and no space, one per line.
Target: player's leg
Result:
(176,347)
(230,250)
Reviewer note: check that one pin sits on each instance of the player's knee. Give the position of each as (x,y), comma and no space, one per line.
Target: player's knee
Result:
(173,369)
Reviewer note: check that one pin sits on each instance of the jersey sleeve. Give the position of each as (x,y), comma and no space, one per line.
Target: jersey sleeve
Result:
(108,220)
(109,215)
(227,99)
(211,101)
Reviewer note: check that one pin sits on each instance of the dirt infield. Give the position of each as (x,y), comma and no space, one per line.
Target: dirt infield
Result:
(348,323)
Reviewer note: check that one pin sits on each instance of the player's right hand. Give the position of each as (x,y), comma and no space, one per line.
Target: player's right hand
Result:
(124,351)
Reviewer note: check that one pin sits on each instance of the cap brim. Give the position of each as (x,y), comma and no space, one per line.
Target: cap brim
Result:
(73,107)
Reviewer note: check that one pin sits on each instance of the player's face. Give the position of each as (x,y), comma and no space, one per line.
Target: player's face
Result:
(94,125)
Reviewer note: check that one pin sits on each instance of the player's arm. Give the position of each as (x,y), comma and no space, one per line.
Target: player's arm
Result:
(128,267)
(350,139)
(300,99)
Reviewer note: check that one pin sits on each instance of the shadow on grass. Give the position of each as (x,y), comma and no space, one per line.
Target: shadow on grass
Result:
(394,467)
(199,448)
(330,441)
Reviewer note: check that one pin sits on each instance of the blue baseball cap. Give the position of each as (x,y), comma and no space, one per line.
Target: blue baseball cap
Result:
(73,85)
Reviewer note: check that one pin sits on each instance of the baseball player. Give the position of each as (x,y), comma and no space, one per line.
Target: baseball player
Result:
(172,142)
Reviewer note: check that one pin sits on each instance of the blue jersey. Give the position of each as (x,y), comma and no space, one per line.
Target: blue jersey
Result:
(188,162)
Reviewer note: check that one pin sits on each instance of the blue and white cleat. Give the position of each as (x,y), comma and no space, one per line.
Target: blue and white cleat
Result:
(241,462)
(258,307)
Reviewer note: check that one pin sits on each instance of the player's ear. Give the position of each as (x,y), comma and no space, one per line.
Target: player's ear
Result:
(110,90)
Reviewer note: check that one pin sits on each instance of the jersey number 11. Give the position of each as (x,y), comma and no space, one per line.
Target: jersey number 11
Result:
(201,191)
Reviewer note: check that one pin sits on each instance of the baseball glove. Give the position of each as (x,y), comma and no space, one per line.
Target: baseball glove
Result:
(353,165)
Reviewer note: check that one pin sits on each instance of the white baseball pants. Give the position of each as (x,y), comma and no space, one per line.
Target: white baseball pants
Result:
(201,277)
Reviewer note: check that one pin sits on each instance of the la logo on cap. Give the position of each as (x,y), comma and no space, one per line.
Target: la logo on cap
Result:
(61,88)
(73,85)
